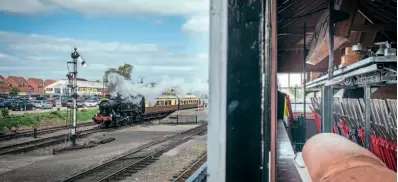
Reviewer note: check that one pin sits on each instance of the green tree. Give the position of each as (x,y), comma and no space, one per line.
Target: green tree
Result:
(14,91)
(124,70)
(298,92)
(97,81)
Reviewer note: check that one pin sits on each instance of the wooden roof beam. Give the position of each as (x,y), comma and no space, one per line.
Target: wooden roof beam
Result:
(319,49)
(374,28)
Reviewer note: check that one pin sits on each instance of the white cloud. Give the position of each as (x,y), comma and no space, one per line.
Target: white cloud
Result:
(197,25)
(48,56)
(195,11)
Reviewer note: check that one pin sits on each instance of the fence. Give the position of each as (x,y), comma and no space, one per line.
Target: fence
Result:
(181,119)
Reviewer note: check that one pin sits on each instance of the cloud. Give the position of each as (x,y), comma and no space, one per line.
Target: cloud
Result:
(197,25)
(47,56)
(195,11)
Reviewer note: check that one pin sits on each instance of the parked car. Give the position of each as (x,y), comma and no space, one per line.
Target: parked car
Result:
(58,104)
(22,106)
(91,103)
(69,102)
(37,104)
(79,103)
(6,104)
(64,102)
(47,105)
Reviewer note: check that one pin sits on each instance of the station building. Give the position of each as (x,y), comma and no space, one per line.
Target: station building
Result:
(84,87)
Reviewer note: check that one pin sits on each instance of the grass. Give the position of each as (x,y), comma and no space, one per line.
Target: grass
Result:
(38,120)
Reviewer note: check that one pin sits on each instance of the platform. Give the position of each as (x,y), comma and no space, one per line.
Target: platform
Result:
(286,170)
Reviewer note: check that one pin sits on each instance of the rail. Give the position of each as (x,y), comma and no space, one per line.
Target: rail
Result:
(191,169)
(31,145)
(39,132)
(135,160)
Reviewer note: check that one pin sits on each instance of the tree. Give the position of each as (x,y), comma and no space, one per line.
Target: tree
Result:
(14,91)
(124,70)
(97,81)
(298,92)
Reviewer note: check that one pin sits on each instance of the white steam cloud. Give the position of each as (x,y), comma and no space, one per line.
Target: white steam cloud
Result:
(117,84)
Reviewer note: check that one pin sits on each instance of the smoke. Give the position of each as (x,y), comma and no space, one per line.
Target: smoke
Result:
(117,84)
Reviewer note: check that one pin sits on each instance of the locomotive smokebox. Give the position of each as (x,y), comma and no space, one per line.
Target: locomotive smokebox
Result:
(333,158)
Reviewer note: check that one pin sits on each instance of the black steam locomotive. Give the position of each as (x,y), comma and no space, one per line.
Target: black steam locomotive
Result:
(119,111)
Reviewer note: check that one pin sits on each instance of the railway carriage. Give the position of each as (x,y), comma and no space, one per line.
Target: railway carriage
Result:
(189,102)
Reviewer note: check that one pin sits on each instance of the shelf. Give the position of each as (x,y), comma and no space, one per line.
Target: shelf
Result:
(370,71)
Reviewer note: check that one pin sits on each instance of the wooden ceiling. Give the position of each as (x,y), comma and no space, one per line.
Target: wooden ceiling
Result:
(370,21)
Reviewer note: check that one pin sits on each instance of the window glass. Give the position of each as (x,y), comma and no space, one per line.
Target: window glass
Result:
(283,79)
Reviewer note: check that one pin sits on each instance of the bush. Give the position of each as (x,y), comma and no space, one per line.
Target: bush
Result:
(83,110)
(5,112)
(15,122)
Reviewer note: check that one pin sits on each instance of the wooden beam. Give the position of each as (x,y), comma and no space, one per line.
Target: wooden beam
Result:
(296,30)
(319,49)
(374,28)
(291,62)
(293,33)
(343,28)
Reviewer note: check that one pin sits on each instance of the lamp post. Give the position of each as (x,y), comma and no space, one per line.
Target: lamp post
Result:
(72,78)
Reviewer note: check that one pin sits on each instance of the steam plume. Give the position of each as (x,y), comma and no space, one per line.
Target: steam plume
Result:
(117,84)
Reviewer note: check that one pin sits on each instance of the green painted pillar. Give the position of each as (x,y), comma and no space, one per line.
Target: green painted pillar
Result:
(243,110)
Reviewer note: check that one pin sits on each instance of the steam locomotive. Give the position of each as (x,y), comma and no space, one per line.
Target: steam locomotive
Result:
(120,111)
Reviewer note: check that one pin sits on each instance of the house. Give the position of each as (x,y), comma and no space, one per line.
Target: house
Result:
(18,82)
(36,85)
(4,87)
(49,82)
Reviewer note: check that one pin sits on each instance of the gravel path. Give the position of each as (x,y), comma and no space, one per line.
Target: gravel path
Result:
(171,162)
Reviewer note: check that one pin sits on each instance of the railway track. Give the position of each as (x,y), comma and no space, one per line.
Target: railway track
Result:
(43,131)
(125,165)
(184,175)
(44,142)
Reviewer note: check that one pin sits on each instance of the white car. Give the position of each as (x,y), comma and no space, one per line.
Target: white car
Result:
(90,103)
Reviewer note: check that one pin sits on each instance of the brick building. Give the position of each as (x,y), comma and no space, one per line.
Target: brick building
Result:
(36,85)
(4,87)
(49,82)
(18,82)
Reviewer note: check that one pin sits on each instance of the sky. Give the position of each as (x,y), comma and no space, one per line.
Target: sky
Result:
(159,38)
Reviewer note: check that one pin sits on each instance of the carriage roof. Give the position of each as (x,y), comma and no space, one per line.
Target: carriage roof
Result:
(167,97)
